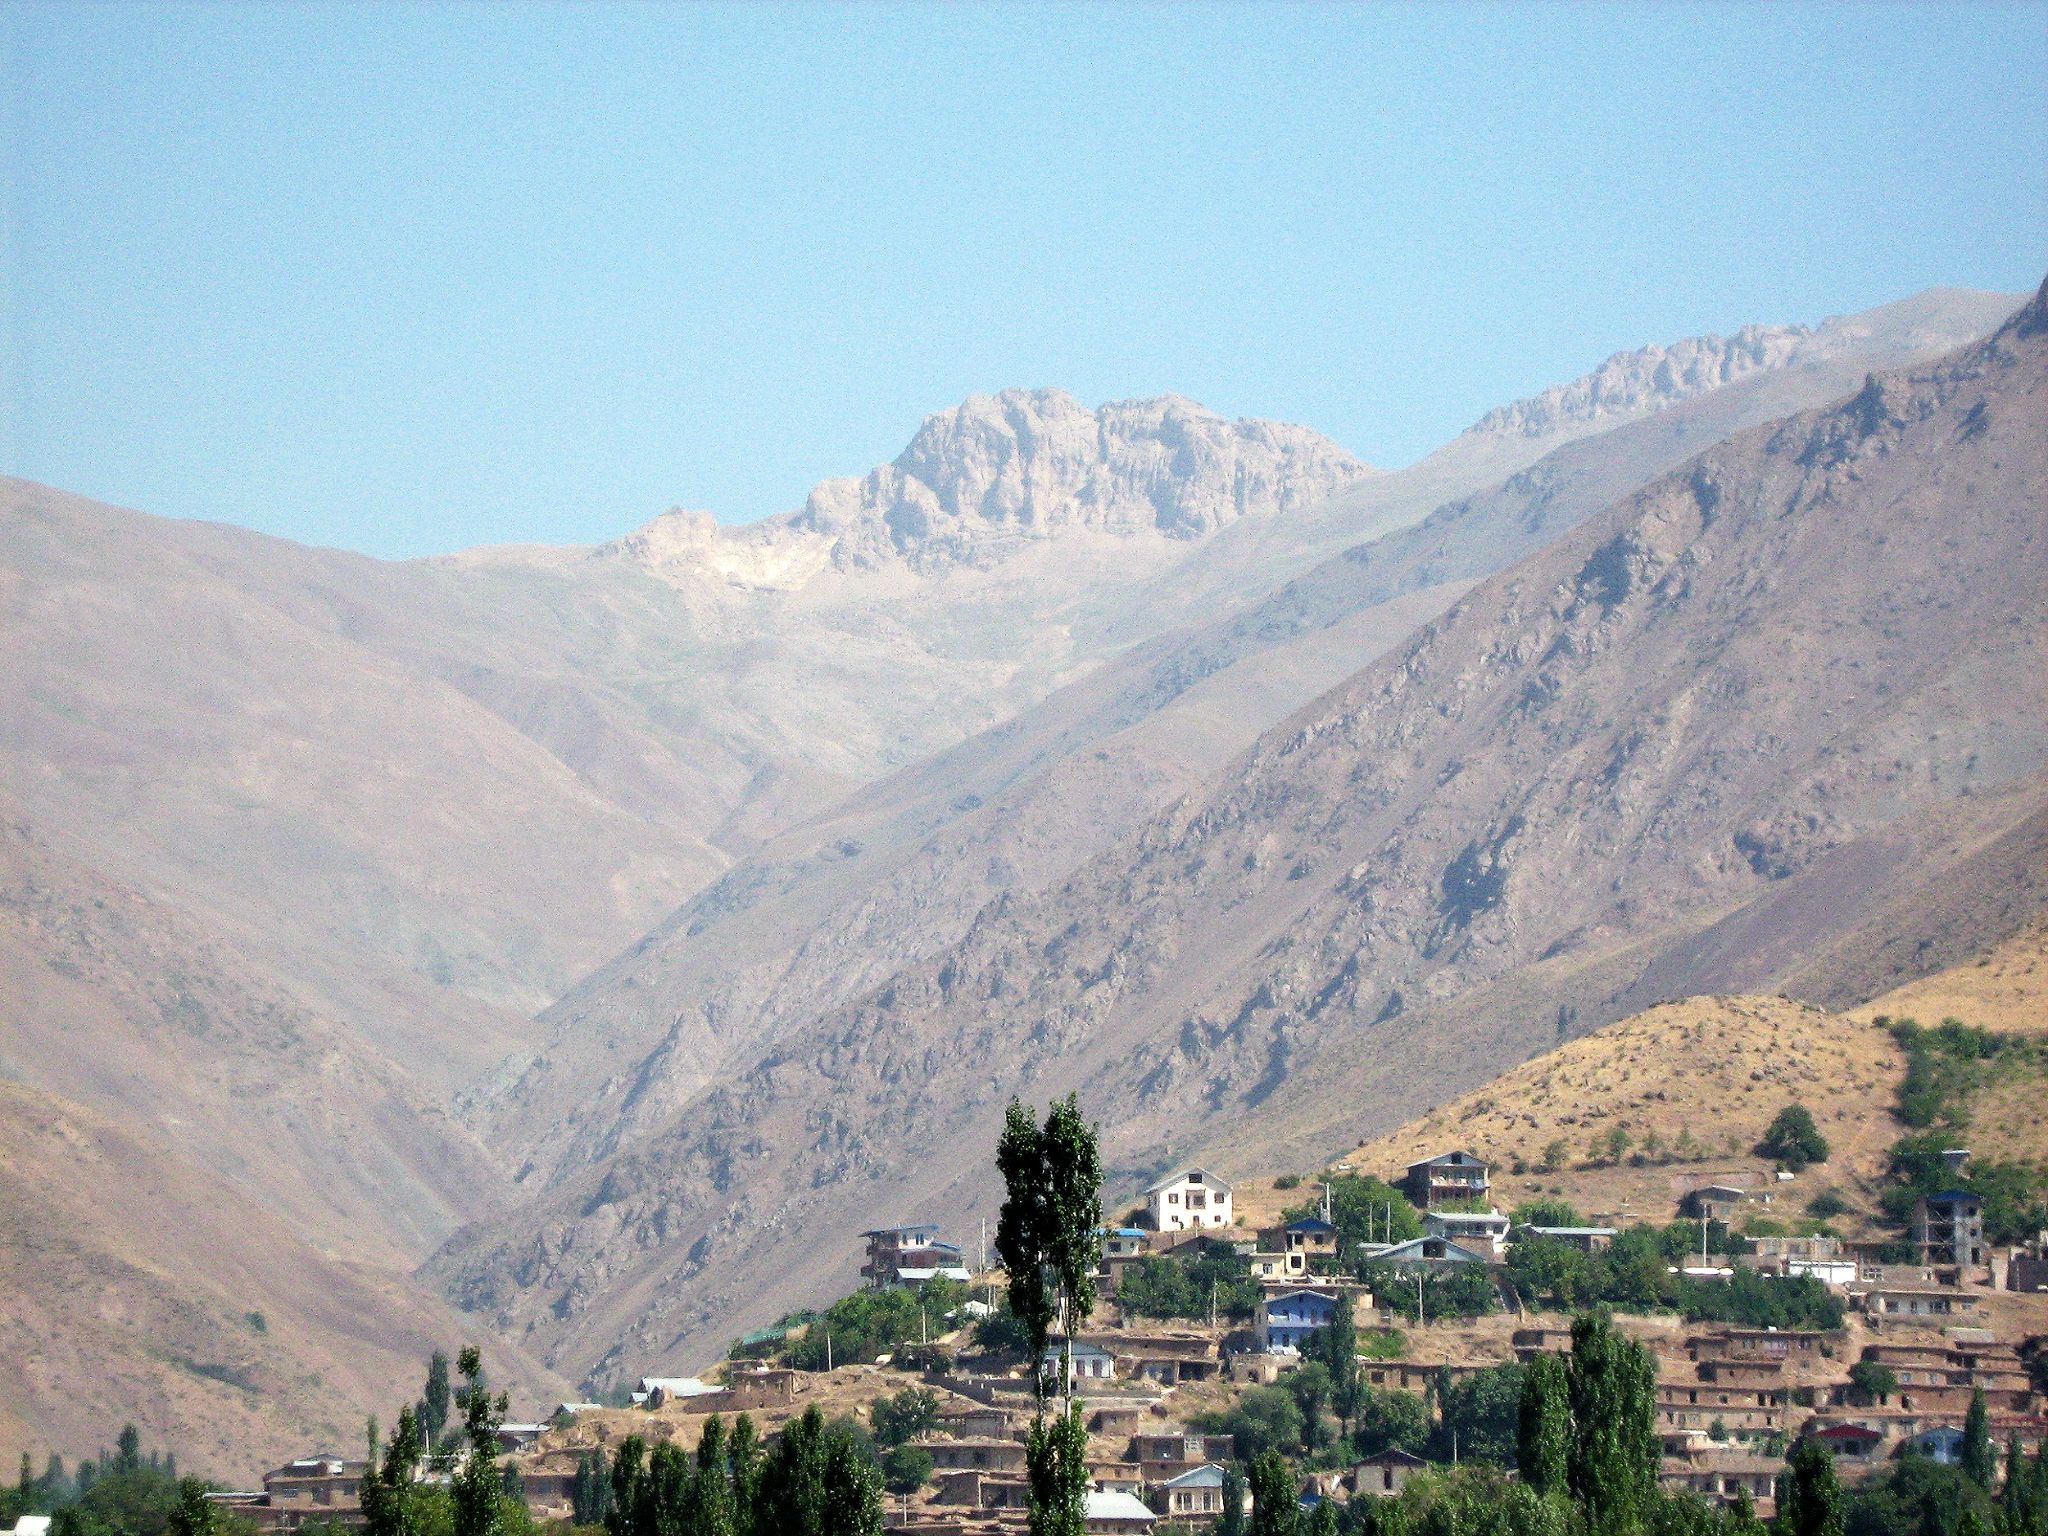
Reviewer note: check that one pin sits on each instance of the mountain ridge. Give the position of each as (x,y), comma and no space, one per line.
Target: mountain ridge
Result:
(1634,696)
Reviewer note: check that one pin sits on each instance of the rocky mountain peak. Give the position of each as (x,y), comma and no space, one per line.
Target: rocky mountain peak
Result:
(999,470)
(1648,379)
(1034,463)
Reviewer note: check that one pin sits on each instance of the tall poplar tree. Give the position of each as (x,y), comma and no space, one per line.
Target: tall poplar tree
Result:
(478,1510)
(1543,1431)
(1809,1493)
(1048,1236)
(434,1401)
(743,1456)
(390,1490)
(1979,1460)
(710,1490)
(1612,1385)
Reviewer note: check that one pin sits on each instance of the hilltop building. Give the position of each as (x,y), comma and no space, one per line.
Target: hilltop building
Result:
(1450,1176)
(1187,1200)
(910,1256)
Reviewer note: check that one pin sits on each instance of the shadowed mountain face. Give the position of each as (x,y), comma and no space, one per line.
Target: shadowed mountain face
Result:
(1790,689)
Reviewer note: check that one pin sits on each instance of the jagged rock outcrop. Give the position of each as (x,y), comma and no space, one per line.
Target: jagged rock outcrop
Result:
(1024,464)
(1649,378)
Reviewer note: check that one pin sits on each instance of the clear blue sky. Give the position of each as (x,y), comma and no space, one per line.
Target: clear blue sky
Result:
(403,278)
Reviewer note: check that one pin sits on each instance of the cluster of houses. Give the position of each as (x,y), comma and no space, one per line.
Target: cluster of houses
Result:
(1728,1399)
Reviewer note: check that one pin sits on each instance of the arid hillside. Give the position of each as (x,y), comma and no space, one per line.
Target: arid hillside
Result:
(140,1288)
(894,875)
(1693,1084)
(1746,731)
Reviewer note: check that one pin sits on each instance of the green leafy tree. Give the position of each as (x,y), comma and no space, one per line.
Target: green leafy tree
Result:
(1047,1235)
(743,1464)
(1979,1460)
(1263,1419)
(391,1493)
(478,1498)
(1334,1346)
(1273,1501)
(1872,1379)
(194,1514)
(710,1503)
(1546,1212)
(590,1497)
(905,1415)
(1793,1140)
(631,1512)
(1364,1210)
(853,1489)
(2016,1509)
(1612,1384)
(1310,1384)
(1543,1431)
(128,1450)
(1479,1414)
(1056,1463)
(1391,1420)
(1809,1494)
(436,1399)
(1231,1522)
(906,1468)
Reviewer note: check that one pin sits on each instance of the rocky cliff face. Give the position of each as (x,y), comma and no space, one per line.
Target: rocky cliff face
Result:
(1648,379)
(998,470)
(1769,709)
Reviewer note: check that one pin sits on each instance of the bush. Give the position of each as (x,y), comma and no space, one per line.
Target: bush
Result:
(1873,1379)
(1288,1181)
(1794,1140)
(1829,1202)
(1546,1213)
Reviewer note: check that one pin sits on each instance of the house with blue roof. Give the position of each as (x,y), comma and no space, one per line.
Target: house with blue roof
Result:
(1291,1317)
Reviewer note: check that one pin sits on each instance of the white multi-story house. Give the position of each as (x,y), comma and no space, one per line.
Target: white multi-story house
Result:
(1189,1199)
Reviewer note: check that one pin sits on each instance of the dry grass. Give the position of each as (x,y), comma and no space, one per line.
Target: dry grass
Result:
(1717,1069)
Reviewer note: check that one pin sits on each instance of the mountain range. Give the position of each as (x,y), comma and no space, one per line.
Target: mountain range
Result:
(569,947)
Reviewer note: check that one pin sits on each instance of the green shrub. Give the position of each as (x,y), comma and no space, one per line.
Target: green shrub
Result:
(1793,1140)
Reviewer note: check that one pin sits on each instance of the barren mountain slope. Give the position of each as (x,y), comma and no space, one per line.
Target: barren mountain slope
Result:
(120,1001)
(893,876)
(1813,635)
(141,1289)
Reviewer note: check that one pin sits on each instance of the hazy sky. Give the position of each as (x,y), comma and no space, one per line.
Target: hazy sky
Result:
(404,278)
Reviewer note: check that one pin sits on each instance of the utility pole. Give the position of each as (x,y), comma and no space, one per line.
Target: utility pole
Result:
(1326,1200)
(1418,1305)
(828,1348)
(1212,1302)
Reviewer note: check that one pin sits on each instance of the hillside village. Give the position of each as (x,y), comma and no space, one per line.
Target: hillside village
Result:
(1792,1294)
